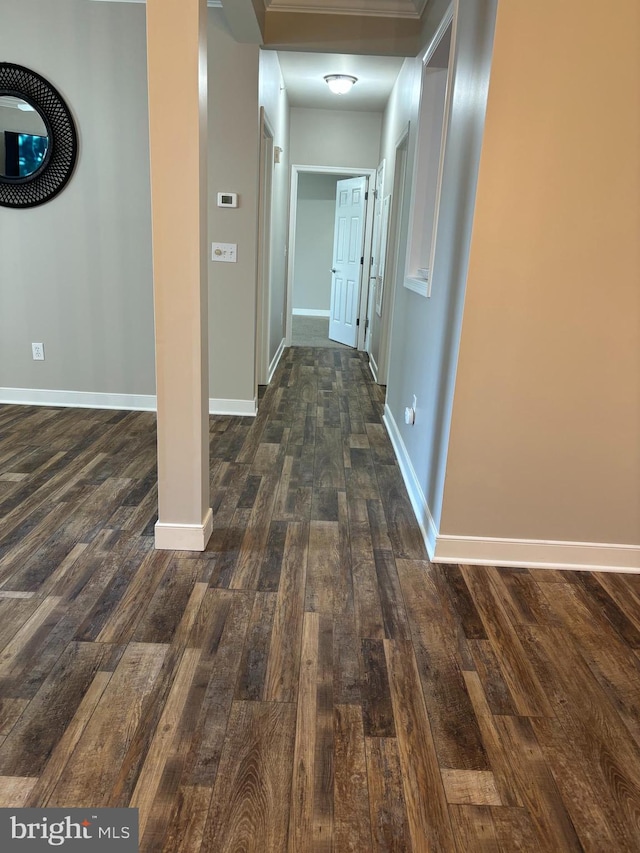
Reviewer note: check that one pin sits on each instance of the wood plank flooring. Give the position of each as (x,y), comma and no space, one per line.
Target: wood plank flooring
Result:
(310,682)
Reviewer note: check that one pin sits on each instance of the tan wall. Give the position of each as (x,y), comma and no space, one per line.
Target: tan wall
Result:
(176,55)
(545,440)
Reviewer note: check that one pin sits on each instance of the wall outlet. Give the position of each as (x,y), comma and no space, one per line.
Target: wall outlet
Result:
(37,351)
(410,412)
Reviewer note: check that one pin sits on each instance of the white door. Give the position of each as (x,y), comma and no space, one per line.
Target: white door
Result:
(346,271)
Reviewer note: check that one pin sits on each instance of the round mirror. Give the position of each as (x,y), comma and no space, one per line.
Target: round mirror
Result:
(24,139)
(38,139)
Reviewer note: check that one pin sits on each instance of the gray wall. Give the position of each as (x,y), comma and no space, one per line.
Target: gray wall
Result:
(335,138)
(87,292)
(273,97)
(401,112)
(315,218)
(425,333)
(233,167)
(75,273)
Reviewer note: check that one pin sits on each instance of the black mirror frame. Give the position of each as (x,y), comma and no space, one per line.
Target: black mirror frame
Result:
(62,152)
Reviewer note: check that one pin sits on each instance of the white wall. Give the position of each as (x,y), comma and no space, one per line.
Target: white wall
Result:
(335,138)
(315,218)
(426,332)
(273,97)
(75,273)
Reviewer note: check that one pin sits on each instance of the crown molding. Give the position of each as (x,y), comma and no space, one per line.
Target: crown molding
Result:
(365,8)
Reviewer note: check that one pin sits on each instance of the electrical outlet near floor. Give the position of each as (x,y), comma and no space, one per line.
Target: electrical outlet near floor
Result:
(37,351)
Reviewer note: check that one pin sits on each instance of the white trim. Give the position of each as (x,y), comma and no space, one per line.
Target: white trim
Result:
(373,367)
(78,399)
(537,553)
(310,312)
(99,400)
(239,408)
(184,537)
(275,360)
(438,35)
(416,495)
(418,285)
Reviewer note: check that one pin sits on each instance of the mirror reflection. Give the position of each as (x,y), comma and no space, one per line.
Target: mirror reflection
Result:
(23,138)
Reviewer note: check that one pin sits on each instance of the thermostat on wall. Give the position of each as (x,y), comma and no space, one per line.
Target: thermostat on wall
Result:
(227,199)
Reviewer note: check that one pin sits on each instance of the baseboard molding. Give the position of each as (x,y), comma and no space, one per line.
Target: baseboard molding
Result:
(416,495)
(99,400)
(373,367)
(537,554)
(184,537)
(310,312)
(275,361)
(77,399)
(519,553)
(239,408)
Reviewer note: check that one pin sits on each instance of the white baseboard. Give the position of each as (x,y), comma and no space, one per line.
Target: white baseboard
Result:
(78,399)
(416,495)
(184,537)
(275,360)
(99,400)
(537,553)
(310,312)
(373,367)
(239,408)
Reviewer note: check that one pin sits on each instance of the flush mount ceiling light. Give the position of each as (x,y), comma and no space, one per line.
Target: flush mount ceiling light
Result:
(340,84)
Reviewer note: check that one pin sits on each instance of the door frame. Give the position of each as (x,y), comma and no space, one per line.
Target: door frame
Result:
(263,277)
(378,197)
(347,172)
(398,221)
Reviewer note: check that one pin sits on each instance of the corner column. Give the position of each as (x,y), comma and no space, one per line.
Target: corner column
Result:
(177,71)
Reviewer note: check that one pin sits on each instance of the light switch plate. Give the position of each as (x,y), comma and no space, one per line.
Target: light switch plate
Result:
(225,252)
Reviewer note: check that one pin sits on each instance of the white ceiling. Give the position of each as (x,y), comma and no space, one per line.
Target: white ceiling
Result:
(304,72)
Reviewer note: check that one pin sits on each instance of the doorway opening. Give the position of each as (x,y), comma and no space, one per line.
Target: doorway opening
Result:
(327,308)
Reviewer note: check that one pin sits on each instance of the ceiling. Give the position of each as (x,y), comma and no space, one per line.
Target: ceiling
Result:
(303,75)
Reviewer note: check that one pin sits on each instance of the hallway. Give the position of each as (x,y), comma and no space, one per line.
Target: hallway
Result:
(311,682)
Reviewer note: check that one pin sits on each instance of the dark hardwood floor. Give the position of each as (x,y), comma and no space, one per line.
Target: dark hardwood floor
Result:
(311,682)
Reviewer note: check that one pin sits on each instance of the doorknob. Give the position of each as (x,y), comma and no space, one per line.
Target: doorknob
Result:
(332,270)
